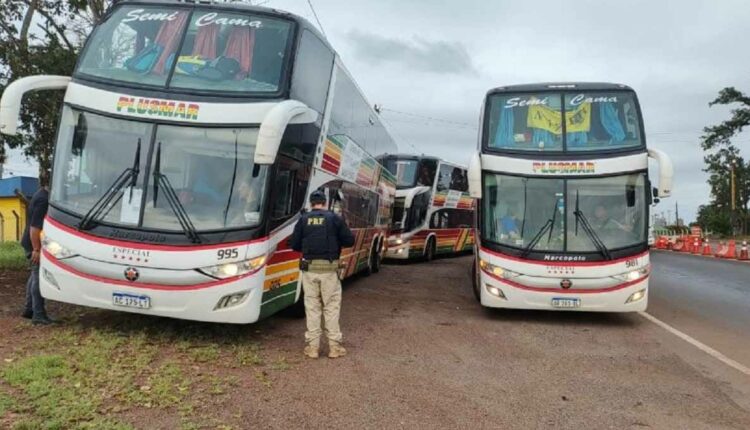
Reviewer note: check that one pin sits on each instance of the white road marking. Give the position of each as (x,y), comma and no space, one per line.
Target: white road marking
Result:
(705,348)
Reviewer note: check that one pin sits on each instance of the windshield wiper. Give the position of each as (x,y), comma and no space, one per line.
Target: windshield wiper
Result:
(550,224)
(109,199)
(161,181)
(581,218)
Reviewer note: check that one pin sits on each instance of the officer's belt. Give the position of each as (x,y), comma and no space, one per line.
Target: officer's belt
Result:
(323,266)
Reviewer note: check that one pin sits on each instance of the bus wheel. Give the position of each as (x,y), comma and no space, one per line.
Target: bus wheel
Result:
(376,260)
(371,264)
(429,253)
(475,281)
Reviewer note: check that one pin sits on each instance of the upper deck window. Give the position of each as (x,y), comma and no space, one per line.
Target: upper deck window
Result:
(200,49)
(594,121)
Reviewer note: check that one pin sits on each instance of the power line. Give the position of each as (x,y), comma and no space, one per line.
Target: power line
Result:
(432,118)
(315,14)
(399,136)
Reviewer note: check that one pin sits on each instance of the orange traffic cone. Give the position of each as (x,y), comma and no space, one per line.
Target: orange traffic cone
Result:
(731,251)
(743,252)
(707,251)
(696,246)
(721,250)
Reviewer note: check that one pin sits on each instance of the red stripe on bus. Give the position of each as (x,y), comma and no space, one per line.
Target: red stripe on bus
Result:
(159,287)
(284,256)
(331,160)
(145,246)
(565,263)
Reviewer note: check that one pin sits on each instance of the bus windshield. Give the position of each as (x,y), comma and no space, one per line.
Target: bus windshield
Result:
(518,209)
(173,47)
(209,170)
(412,172)
(594,121)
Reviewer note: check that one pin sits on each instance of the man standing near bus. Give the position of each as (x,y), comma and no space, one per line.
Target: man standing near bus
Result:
(319,235)
(32,244)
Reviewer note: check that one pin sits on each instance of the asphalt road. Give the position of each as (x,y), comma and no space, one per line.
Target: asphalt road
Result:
(424,354)
(708,299)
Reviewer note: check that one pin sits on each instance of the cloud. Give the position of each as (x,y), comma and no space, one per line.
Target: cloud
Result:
(418,54)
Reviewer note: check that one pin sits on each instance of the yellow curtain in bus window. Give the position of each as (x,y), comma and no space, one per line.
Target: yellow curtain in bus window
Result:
(544,118)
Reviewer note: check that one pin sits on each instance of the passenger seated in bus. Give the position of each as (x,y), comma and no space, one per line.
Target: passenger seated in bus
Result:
(508,224)
(425,176)
(458,180)
(603,222)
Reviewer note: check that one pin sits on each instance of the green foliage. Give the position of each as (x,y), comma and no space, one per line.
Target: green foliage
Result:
(715,219)
(12,256)
(41,37)
(723,160)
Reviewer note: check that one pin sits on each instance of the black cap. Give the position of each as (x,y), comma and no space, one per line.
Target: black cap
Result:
(317,197)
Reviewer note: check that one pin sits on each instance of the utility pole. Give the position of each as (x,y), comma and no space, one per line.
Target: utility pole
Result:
(676,214)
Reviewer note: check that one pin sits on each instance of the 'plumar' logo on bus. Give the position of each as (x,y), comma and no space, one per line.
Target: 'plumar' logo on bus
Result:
(156,107)
(564,167)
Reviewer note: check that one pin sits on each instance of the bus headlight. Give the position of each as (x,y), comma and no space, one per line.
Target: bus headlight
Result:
(230,270)
(55,249)
(634,275)
(497,270)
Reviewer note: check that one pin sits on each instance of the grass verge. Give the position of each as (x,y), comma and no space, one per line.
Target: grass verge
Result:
(116,376)
(12,256)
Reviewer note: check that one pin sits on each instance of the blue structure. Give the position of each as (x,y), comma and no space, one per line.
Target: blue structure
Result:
(26,184)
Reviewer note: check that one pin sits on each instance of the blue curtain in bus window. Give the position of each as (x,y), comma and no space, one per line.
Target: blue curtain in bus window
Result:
(611,122)
(578,139)
(542,136)
(504,134)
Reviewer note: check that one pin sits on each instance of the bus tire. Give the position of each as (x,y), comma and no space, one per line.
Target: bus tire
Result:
(370,269)
(429,252)
(475,281)
(376,259)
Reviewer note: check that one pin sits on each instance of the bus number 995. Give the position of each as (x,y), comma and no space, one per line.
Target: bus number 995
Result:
(225,254)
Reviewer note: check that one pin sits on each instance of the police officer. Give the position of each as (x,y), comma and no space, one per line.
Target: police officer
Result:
(319,235)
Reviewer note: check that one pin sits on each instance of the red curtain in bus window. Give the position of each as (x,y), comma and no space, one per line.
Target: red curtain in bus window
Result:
(205,41)
(168,38)
(240,47)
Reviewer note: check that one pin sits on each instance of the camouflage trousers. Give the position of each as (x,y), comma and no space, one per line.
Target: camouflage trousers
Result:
(322,304)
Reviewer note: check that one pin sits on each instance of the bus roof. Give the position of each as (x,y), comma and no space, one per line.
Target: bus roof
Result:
(409,156)
(560,86)
(235,6)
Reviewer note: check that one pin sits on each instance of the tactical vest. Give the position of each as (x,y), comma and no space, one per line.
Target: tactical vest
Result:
(320,236)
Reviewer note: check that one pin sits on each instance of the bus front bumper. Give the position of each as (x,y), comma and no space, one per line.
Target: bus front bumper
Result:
(617,300)
(234,302)
(398,252)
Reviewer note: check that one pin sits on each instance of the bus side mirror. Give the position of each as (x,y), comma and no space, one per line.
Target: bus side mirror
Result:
(475,176)
(666,171)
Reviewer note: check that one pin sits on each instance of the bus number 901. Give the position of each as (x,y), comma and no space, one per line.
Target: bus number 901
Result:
(225,254)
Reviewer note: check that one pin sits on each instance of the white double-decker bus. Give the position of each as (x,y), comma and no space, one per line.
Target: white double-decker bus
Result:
(433,213)
(562,220)
(190,138)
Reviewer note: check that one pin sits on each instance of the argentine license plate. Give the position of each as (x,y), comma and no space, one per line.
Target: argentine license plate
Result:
(566,303)
(131,301)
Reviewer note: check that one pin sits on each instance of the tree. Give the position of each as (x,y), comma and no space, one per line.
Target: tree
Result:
(722,158)
(41,37)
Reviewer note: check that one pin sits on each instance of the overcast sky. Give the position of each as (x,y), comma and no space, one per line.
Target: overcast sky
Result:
(437,58)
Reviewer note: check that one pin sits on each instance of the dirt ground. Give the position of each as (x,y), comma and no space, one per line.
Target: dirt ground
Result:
(423,354)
